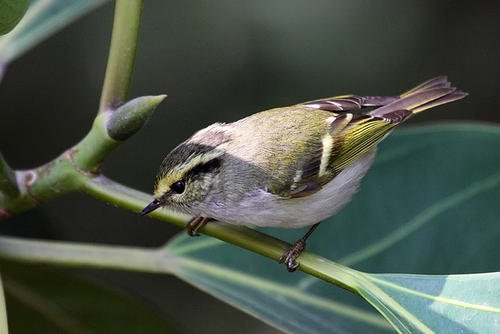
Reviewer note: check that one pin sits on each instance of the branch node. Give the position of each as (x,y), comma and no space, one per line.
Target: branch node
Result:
(29,178)
(70,154)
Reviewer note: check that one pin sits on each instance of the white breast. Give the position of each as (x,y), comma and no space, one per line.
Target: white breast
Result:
(261,208)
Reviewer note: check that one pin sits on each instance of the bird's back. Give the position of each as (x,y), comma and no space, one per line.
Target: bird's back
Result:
(282,140)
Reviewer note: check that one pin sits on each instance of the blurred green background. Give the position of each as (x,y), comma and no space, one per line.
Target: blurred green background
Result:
(220,61)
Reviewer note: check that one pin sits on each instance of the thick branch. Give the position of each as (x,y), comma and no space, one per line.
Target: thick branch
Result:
(121,54)
(42,184)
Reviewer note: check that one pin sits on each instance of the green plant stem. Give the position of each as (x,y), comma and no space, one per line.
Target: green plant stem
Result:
(160,260)
(64,174)
(84,255)
(70,170)
(127,198)
(89,153)
(139,259)
(107,190)
(122,52)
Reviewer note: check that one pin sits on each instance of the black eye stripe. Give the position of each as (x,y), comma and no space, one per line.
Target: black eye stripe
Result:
(178,187)
(206,167)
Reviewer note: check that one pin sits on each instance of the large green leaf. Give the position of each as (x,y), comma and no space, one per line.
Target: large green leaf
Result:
(43,18)
(426,303)
(429,206)
(11,12)
(60,303)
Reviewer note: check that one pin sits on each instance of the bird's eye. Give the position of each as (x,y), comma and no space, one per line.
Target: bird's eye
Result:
(178,187)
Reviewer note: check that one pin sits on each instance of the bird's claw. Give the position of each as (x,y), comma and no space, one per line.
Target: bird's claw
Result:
(290,256)
(195,224)
(191,231)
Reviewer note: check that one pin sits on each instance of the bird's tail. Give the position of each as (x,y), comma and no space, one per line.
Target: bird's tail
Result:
(429,94)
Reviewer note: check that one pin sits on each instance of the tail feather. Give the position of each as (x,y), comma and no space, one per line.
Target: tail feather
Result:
(437,82)
(429,94)
(456,95)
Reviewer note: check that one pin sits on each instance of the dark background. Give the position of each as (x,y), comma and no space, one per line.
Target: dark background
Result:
(220,61)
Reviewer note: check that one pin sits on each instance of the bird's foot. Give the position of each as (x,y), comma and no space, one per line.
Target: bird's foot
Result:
(289,257)
(195,224)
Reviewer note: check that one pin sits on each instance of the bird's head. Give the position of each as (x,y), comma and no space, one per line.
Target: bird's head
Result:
(189,171)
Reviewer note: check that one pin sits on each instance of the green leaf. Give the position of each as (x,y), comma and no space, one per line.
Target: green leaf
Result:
(263,289)
(43,18)
(428,206)
(425,303)
(60,303)
(11,12)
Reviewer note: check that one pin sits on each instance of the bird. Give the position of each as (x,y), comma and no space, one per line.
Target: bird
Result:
(286,167)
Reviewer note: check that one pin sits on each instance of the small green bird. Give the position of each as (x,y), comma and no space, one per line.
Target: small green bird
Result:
(286,167)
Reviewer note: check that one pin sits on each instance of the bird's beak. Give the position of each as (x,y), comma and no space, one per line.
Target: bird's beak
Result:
(155,204)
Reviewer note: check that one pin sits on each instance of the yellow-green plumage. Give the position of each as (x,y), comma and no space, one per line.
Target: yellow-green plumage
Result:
(283,140)
(289,166)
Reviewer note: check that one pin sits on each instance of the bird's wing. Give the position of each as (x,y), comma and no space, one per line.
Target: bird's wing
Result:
(348,138)
(355,135)
(351,135)
(349,102)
